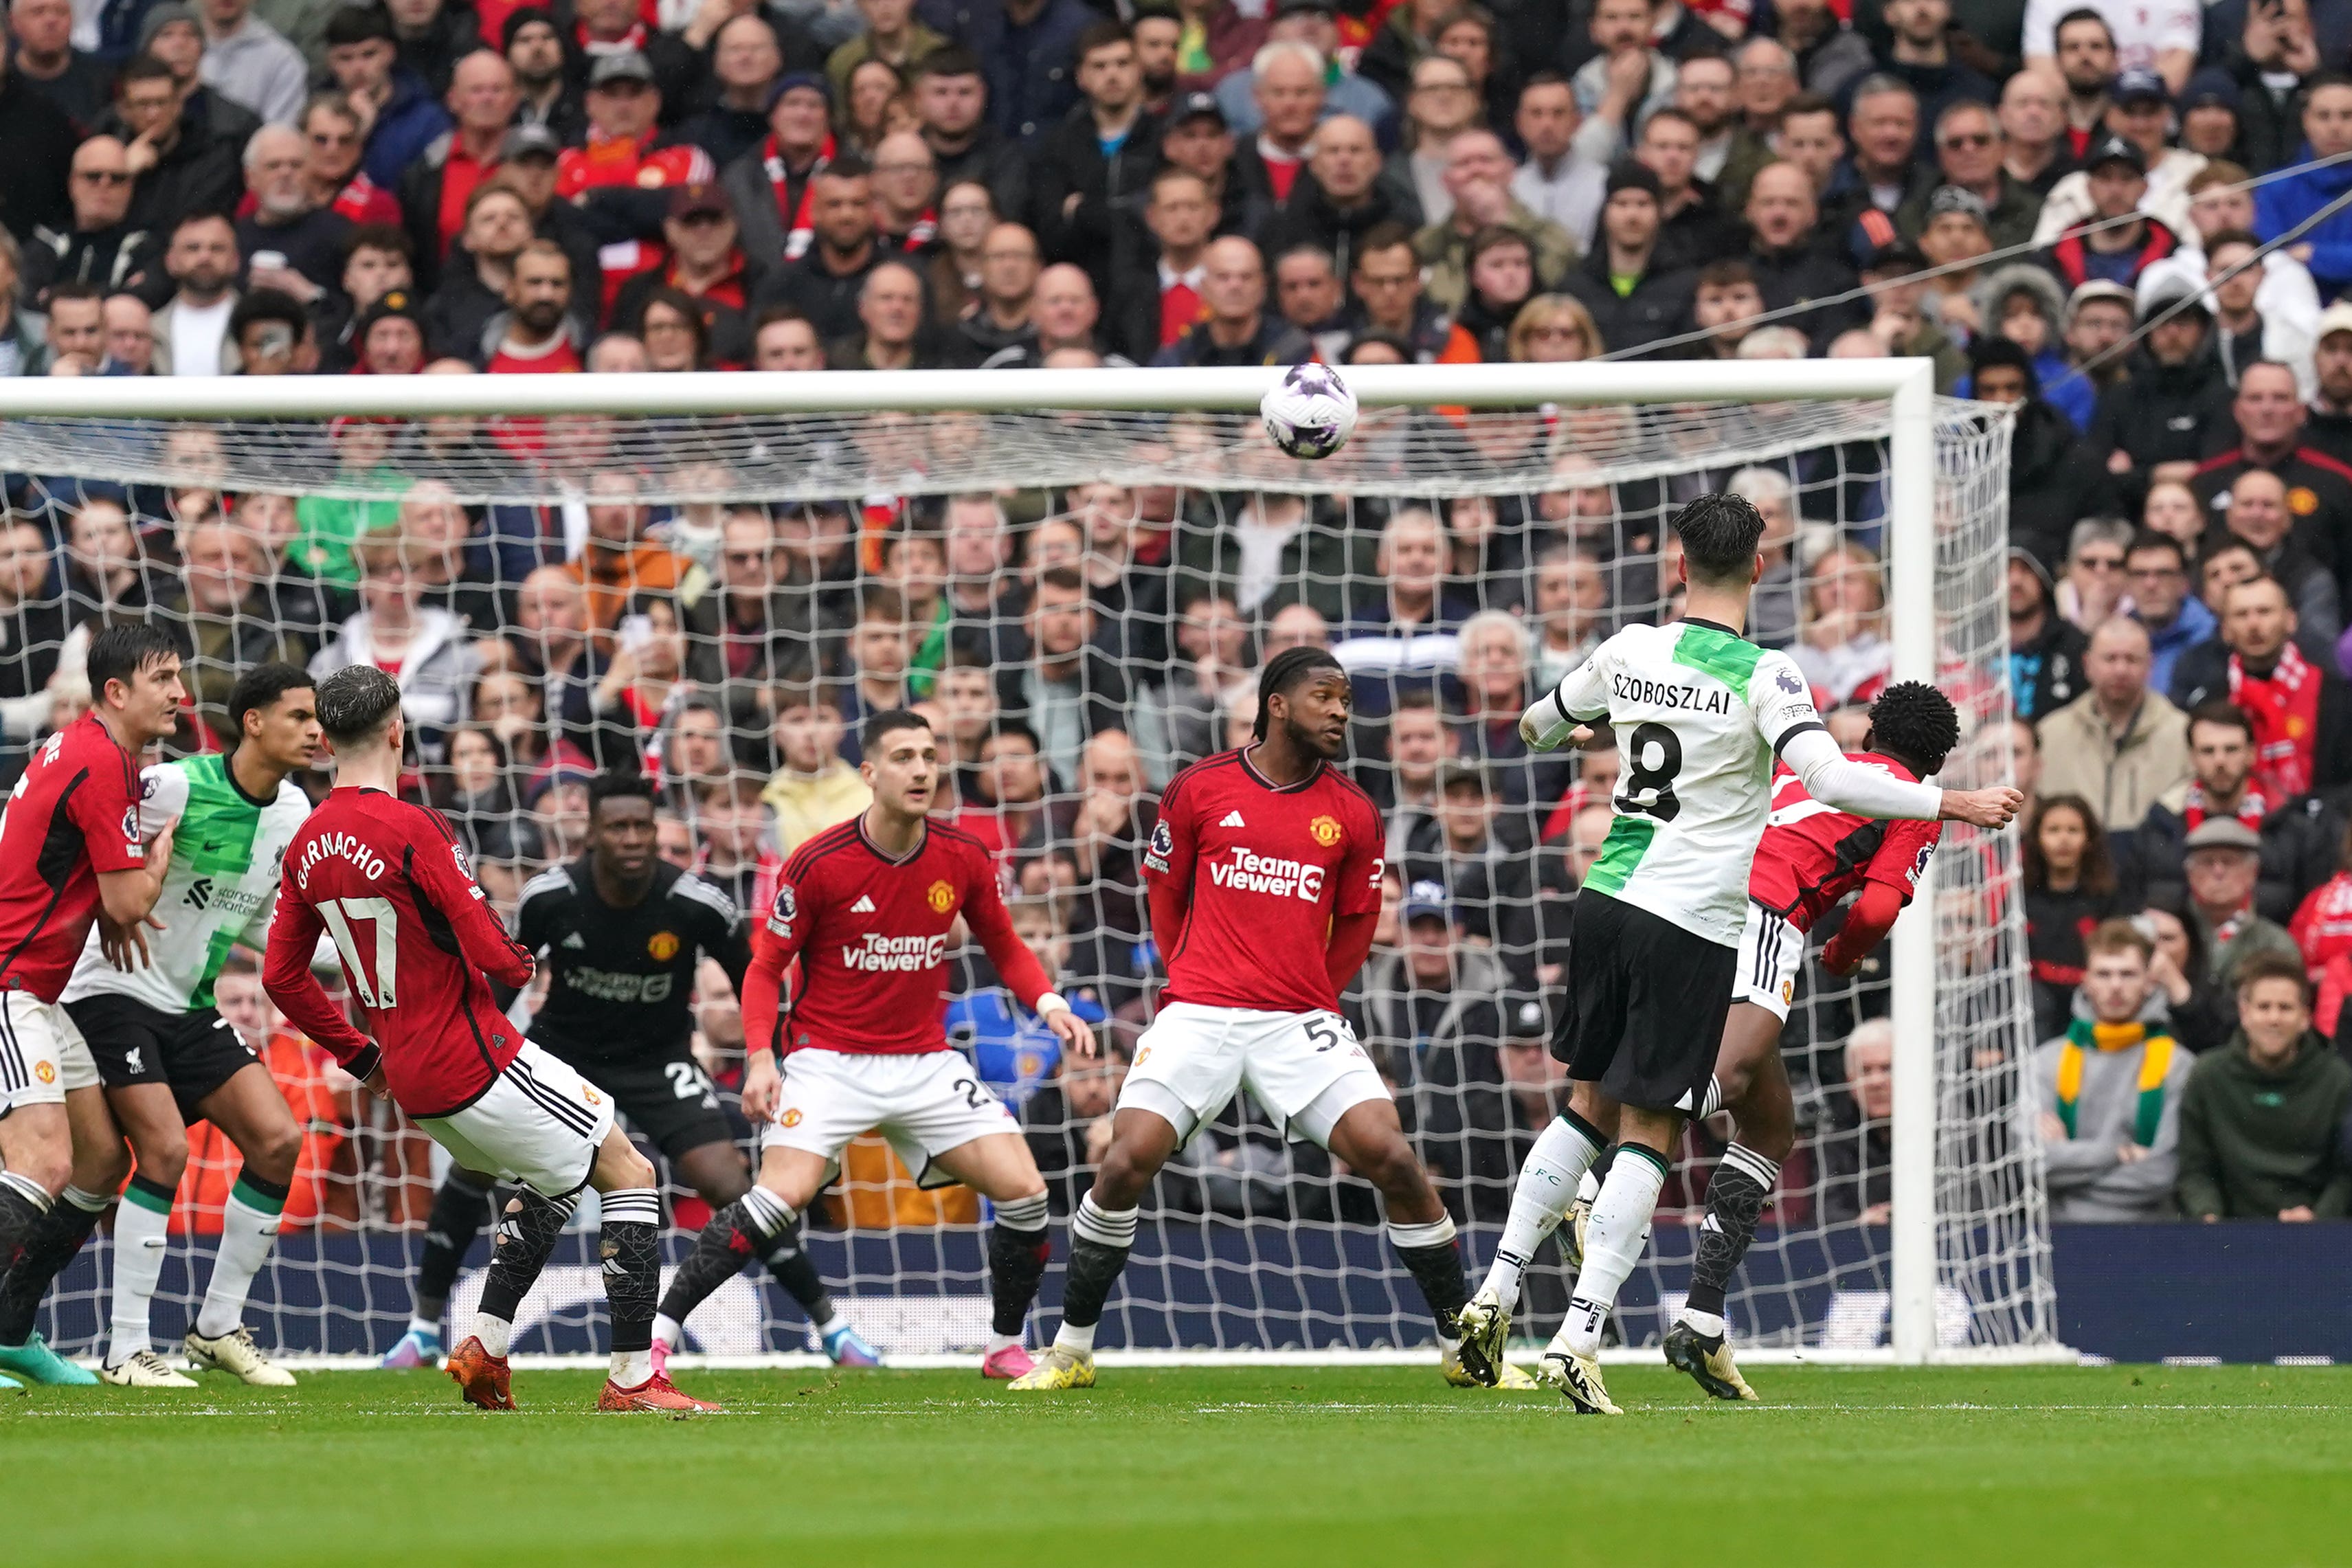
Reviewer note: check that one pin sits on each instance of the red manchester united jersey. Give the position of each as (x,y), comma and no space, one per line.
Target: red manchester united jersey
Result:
(389,882)
(74,814)
(1263,870)
(1812,856)
(871,935)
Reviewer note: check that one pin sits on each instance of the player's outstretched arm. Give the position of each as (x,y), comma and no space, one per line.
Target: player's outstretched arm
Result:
(1993,807)
(285,976)
(1834,780)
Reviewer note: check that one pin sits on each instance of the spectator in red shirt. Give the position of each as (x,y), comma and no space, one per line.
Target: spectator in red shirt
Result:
(482,98)
(619,175)
(533,334)
(332,129)
(1288,79)
(707,264)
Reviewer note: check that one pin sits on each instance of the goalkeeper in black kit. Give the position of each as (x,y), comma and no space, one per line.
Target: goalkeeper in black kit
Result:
(622,935)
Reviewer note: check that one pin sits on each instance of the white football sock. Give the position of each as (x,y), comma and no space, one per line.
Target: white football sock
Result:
(668,1330)
(1707,1323)
(631,1368)
(1612,1242)
(493,1332)
(141,1233)
(1078,1341)
(1563,1154)
(248,1230)
(431,1326)
(999,1342)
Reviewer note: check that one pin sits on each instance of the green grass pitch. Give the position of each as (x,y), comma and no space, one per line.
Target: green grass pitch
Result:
(1207,1468)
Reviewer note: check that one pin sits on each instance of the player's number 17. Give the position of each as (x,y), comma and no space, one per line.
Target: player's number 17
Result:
(340,915)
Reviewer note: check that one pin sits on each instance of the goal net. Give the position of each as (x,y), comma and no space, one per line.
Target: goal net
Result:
(1076,576)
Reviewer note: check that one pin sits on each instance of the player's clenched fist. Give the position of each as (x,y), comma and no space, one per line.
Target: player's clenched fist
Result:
(1984,807)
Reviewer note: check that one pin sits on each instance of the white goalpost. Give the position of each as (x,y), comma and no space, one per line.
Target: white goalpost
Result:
(1538,473)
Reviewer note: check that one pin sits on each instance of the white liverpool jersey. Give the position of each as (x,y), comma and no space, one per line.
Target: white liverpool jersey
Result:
(219,891)
(1699,712)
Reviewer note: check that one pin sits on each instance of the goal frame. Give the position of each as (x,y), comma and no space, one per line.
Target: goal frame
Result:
(1907,385)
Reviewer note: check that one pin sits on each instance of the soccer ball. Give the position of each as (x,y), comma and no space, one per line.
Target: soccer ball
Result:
(1309,412)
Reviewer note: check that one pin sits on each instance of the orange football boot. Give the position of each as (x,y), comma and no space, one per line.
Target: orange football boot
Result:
(657,1393)
(482,1377)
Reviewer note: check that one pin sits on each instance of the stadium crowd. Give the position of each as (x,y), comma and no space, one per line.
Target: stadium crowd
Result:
(2118,219)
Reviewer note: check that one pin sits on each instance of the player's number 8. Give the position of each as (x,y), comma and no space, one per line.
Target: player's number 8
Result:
(1658,782)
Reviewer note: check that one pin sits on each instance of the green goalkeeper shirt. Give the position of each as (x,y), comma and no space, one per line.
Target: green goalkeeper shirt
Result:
(219,892)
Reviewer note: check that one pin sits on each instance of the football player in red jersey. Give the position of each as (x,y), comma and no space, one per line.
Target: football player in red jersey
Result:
(70,855)
(388,880)
(868,908)
(1811,857)
(1266,886)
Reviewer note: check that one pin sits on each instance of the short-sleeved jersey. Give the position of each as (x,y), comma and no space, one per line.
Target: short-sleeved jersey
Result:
(1813,855)
(621,979)
(218,891)
(391,884)
(73,816)
(1699,712)
(871,933)
(1263,869)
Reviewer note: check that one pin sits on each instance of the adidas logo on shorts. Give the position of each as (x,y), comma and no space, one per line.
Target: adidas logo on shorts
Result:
(1233,819)
(864,906)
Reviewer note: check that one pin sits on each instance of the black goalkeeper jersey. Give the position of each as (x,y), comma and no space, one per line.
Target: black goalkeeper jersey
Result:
(621,980)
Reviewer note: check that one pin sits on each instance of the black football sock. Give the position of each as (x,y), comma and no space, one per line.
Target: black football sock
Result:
(460,1209)
(1100,1240)
(789,1261)
(1018,1249)
(744,1229)
(1743,1185)
(629,1244)
(1435,1258)
(54,1240)
(526,1238)
(23,1201)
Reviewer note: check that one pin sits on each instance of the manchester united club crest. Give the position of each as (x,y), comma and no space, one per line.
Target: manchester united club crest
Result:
(663,945)
(1325,830)
(592,1097)
(45,1072)
(2303,501)
(941,898)
(791,1118)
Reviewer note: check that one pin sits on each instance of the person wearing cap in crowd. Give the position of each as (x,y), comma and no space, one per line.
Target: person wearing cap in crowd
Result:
(1481,845)
(2051,485)
(2210,110)
(893,34)
(2328,429)
(2157,423)
(1969,153)
(1954,235)
(2117,240)
(393,106)
(482,98)
(2045,649)
(2286,204)
(709,264)
(623,175)
(2139,115)
(769,187)
(608,29)
(1346,90)
(388,337)
(2298,838)
(2268,415)
(528,163)
(1197,139)
(746,61)
(2099,318)
(2222,866)
(1634,300)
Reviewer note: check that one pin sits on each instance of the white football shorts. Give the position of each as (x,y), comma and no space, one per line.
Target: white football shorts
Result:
(1303,1069)
(42,1055)
(1771,949)
(540,1123)
(923,1105)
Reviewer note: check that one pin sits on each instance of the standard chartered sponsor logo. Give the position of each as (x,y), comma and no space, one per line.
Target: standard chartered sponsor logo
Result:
(1251,872)
(880,954)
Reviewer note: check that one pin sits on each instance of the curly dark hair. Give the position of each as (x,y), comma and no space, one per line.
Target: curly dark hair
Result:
(1917,722)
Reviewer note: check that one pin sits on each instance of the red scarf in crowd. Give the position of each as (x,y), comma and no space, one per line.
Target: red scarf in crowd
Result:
(798,229)
(2252,806)
(2283,708)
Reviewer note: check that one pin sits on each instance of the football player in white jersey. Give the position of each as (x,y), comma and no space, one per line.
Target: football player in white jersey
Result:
(1697,712)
